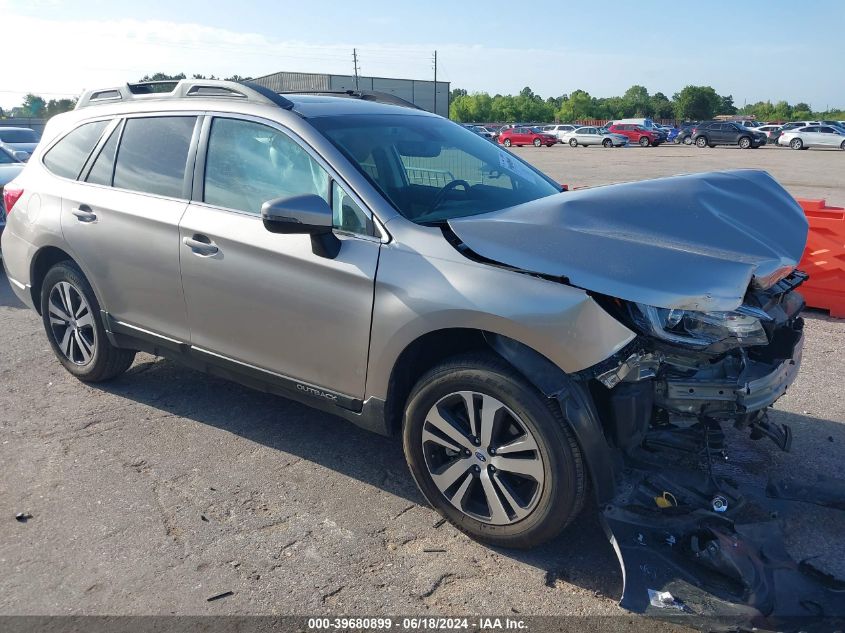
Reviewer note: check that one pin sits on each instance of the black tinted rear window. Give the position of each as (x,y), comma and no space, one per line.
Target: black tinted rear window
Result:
(67,157)
(153,154)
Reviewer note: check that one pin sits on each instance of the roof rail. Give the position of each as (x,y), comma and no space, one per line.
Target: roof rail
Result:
(182,89)
(364,95)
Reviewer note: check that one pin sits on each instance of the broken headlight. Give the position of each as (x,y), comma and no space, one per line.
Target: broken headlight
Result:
(700,329)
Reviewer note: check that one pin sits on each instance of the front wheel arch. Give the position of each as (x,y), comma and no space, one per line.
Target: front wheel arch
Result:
(571,396)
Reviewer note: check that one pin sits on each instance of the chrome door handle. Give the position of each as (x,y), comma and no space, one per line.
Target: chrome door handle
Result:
(200,247)
(84,214)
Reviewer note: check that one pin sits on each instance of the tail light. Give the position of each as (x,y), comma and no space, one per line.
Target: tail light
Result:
(11,194)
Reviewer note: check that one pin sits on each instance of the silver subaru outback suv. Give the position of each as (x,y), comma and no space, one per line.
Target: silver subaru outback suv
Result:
(386,265)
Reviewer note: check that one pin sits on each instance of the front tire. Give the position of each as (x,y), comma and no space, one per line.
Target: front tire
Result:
(71,316)
(573,143)
(537,142)
(744,142)
(607,143)
(506,142)
(491,454)
(644,141)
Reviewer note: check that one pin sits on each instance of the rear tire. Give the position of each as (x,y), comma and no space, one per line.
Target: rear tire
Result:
(573,143)
(701,141)
(796,143)
(537,142)
(476,491)
(842,146)
(71,316)
(644,141)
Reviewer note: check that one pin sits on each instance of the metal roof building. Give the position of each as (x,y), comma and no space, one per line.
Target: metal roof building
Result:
(417,91)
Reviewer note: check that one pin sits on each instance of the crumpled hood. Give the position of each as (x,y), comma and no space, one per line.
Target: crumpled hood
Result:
(694,242)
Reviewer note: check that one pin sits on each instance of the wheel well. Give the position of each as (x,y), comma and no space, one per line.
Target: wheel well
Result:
(420,356)
(44,260)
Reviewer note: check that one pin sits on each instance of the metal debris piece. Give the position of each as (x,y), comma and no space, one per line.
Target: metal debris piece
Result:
(664,600)
(23,517)
(225,594)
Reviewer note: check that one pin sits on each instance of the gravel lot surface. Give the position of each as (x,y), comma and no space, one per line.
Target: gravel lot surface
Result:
(161,489)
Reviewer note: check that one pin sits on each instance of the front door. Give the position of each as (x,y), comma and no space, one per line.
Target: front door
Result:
(268,300)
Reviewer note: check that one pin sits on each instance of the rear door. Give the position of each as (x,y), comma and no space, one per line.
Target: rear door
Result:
(828,137)
(121,219)
(268,301)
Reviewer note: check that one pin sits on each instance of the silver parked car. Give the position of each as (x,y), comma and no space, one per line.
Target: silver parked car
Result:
(590,135)
(391,267)
(813,136)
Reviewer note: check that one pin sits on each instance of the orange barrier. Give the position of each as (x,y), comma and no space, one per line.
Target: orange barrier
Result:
(824,257)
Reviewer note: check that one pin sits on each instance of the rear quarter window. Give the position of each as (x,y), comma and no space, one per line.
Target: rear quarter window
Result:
(67,157)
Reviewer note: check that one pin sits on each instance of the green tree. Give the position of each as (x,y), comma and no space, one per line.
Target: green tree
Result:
(662,107)
(57,106)
(579,106)
(727,105)
(34,106)
(637,102)
(696,102)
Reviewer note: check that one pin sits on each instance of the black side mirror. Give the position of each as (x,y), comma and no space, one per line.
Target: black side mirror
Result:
(309,214)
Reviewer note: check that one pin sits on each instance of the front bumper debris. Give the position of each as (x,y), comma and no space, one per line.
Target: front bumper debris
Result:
(713,556)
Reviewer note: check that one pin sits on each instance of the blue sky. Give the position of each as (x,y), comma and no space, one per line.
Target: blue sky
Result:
(753,50)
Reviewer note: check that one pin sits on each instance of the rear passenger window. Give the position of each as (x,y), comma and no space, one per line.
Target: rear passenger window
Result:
(67,157)
(152,155)
(248,164)
(103,170)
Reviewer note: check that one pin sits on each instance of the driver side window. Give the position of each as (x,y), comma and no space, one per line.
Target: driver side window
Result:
(249,163)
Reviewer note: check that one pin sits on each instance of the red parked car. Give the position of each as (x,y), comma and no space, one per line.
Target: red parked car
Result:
(637,134)
(520,136)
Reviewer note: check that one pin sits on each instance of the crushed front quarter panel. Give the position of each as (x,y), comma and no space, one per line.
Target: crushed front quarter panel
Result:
(692,242)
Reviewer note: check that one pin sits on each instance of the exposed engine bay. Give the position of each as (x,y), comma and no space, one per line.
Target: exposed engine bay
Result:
(695,546)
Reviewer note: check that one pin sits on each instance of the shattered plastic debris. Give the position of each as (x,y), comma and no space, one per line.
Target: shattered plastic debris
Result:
(664,600)
(23,517)
(218,596)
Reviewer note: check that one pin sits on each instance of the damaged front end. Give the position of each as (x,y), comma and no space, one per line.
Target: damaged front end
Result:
(692,544)
(702,267)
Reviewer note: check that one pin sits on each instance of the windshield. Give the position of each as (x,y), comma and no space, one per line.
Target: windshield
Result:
(17,136)
(433,170)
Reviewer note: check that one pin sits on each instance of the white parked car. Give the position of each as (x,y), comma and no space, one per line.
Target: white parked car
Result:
(559,129)
(590,135)
(771,131)
(813,136)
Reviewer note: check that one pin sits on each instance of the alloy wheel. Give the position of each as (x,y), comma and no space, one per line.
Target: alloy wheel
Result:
(72,323)
(482,458)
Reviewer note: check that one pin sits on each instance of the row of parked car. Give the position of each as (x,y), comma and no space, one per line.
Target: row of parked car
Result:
(645,132)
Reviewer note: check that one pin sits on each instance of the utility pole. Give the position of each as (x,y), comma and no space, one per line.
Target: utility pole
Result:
(435,82)
(355,64)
